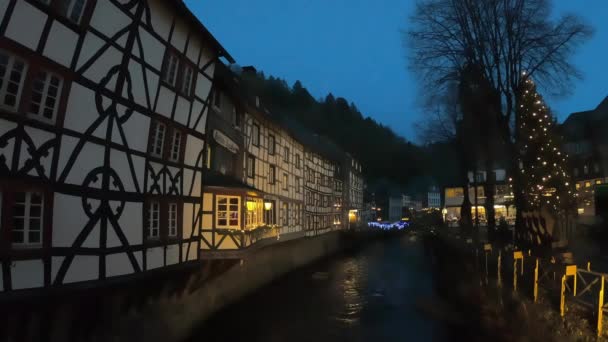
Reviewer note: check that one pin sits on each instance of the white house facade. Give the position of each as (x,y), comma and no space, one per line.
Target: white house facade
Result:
(102,131)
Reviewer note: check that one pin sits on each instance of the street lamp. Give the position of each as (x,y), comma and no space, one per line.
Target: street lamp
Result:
(267,205)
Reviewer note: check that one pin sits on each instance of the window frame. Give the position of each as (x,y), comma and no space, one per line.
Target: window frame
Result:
(286,154)
(172,230)
(298,161)
(169,54)
(27,220)
(228,212)
(272,174)
(180,147)
(250,166)
(45,96)
(285,181)
(154,125)
(272,144)
(255,136)
(19,96)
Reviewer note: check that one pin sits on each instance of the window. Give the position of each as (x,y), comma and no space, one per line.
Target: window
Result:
(228,212)
(298,184)
(598,181)
(153,220)
(298,161)
(596,167)
(286,154)
(12,76)
(270,215)
(46,91)
(236,117)
(587,184)
(72,9)
(172,220)
(586,169)
(187,79)
(271,144)
(272,173)
(250,166)
(171,67)
(285,181)
(255,213)
(255,135)
(285,214)
(176,144)
(28,212)
(158,138)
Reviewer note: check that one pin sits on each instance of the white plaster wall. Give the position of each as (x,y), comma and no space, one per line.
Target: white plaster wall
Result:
(88,159)
(118,264)
(68,219)
(99,69)
(154,258)
(27,274)
(172,255)
(61,44)
(182,109)
(7,151)
(92,44)
(137,83)
(83,267)
(154,50)
(164,105)
(194,48)
(162,18)
(3,6)
(203,86)
(136,132)
(35,19)
(180,34)
(39,137)
(194,147)
(81,111)
(120,164)
(101,15)
(131,222)
(201,126)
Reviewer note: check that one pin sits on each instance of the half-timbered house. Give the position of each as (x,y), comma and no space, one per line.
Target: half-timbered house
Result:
(103,107)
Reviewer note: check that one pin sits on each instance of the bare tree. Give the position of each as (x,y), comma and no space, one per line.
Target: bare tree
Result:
(507,40)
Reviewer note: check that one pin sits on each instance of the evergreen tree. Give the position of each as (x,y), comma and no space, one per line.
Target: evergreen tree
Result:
(542,165)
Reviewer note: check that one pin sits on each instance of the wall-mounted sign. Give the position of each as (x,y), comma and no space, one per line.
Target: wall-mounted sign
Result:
(224,141)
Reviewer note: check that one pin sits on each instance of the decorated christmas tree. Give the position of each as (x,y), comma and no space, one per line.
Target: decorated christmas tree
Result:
(544,178)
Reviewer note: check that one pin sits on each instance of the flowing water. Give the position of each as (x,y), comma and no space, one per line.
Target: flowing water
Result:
(367,295)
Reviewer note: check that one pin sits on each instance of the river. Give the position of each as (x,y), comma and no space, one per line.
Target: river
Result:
(365,295)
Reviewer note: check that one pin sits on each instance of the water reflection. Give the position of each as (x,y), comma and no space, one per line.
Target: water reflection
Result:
(366,296)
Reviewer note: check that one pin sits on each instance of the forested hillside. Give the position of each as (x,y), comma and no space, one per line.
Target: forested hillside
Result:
(386,157)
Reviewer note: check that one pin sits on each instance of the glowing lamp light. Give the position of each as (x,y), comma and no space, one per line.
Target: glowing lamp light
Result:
(267,205)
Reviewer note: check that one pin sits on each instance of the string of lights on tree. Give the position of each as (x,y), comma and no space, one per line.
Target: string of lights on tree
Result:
(545,181)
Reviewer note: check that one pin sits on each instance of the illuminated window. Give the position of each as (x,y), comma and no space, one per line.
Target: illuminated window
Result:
(208,157)
(284,214)
(587,184)
(228,212)
(598,182)
(255,213)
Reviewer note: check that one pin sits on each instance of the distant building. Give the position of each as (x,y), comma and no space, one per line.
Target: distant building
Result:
(433,198)
(586,143)
(399,205)
(503,198)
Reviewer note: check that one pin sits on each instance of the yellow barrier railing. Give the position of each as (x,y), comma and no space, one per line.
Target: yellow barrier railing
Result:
(577,284)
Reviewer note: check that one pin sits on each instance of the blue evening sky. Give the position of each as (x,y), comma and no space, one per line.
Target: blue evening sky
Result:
(353,49)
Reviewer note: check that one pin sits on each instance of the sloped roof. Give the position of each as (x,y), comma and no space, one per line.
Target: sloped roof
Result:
(587,124)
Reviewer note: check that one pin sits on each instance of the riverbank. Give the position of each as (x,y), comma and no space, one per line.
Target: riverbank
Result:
(478,312)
